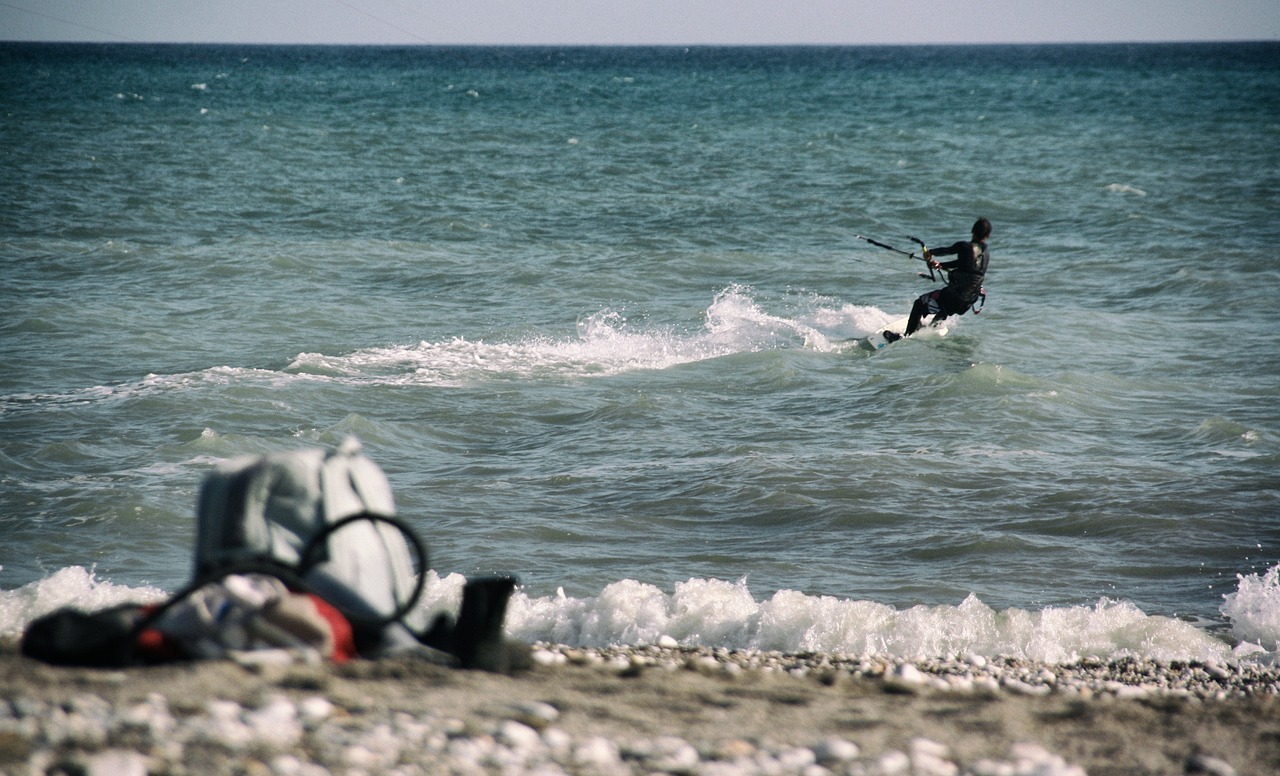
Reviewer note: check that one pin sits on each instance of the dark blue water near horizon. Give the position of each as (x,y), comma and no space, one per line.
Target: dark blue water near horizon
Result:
(595,311)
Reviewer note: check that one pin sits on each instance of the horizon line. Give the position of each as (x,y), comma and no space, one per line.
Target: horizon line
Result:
(566,44)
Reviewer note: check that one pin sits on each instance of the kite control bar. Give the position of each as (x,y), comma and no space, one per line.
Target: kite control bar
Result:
(909,254)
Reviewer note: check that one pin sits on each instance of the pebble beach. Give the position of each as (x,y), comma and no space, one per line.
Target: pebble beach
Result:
(663,709)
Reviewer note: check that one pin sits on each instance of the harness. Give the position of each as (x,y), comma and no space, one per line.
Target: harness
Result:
(982,300)
(981,261)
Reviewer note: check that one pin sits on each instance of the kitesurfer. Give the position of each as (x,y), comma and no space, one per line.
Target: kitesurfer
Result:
(964,283)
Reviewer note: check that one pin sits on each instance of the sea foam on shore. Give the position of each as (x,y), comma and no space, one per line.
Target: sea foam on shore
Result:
(721,614)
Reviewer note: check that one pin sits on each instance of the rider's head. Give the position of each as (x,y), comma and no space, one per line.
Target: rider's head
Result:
(981,229)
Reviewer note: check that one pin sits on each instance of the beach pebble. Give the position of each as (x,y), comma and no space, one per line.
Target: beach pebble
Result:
(378,747)
(578,657)
(922,747)
(668,754)
(518,735)
(905,678)
(989,686)
(621,664)
(987,767)
(735,749)
(557,741)
(835,750)
(288,765)
(469,750)
(221,724)
(597,752)
(1212,766)
(893,762)
(703,664)
(544,657)
(116,762)
(1216,671)
(535,714)
(1033,758)
(929,758)
(151,718)
(1131,692)
(276,724)
(315,709)
(796,759)
(1019,687)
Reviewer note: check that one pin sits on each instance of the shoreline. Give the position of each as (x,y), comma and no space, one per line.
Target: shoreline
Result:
(657,709)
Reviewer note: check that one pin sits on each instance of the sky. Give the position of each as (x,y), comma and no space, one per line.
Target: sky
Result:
(648,22)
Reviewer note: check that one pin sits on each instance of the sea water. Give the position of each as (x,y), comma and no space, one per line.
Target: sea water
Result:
(595,312)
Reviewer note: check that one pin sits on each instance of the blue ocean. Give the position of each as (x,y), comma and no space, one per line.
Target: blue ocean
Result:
(596,312)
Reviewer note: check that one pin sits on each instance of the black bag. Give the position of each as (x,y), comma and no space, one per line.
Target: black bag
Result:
(70,637)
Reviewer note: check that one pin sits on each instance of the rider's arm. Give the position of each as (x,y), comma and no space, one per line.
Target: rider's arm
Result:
(950,250)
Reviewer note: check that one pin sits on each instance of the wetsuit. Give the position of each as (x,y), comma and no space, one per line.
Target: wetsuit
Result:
(964,284)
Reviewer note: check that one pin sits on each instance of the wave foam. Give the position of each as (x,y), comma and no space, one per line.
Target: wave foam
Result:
(716,613)
(606,343)
(1254,609)
(720,614)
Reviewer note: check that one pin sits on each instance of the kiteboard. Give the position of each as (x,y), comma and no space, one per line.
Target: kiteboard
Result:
(877,340)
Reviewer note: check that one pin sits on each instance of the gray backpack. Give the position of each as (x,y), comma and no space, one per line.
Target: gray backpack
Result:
(328,517)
